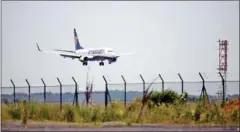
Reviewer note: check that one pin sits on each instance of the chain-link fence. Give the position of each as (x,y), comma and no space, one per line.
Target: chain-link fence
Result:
(124,91)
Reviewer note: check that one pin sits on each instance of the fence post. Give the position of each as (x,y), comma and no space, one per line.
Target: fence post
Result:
(44,88)
(29,91)
(14,91)
(125,91)
(60,93)
(162,82)
(106,91)
(203,87)
(76,91)
(143,84)
(223,86)
(181,81)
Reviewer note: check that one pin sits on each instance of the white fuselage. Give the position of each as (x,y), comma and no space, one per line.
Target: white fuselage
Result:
(108,52)
(96,54)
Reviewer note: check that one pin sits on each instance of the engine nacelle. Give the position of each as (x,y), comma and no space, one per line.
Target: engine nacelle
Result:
(114,59)
(82,58)
(85,58)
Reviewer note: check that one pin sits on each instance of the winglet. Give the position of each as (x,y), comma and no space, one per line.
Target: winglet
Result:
(38,47)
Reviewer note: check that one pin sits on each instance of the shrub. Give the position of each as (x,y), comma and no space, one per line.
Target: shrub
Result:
(168,96)
(15,112)
(155,98)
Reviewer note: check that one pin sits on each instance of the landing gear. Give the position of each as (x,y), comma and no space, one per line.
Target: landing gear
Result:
(85,63)
(101,63)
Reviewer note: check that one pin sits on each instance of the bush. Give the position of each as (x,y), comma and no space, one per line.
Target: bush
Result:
(15,112)
(155,98)
(168,96)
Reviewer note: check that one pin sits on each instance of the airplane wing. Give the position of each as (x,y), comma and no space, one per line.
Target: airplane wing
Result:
(123,54)
(69,51)
(63,53)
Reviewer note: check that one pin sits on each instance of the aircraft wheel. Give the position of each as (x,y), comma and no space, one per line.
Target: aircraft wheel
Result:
(101,63)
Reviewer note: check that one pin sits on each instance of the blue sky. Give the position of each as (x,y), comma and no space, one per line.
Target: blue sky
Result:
(168,38)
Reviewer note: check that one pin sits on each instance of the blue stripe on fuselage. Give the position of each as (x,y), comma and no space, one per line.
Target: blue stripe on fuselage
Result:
(100,58)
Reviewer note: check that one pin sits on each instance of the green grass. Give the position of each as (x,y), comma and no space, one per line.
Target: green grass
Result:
(97,114)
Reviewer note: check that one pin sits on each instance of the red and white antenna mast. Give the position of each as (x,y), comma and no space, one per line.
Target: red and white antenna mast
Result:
(223,54)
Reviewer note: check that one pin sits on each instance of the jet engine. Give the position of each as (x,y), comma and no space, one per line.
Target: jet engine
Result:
(85,58)
(114,59)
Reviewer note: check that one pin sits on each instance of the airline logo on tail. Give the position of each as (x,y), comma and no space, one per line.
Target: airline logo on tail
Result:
(77,44)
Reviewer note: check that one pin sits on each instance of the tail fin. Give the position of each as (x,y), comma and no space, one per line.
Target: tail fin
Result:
(77,44)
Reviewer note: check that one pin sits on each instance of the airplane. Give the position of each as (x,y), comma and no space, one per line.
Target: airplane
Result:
(87,54)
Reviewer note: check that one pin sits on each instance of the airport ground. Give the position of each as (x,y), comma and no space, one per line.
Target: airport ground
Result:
(37,126)
(162,117)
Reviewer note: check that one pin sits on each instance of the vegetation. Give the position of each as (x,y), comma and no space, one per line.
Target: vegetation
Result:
(166,107)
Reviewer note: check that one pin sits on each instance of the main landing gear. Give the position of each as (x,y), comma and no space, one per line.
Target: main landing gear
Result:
(101,63)
(85,63)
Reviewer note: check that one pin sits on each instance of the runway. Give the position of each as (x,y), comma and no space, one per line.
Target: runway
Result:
(17,126)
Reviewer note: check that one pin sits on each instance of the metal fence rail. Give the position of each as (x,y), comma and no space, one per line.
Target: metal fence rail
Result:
(124,91)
